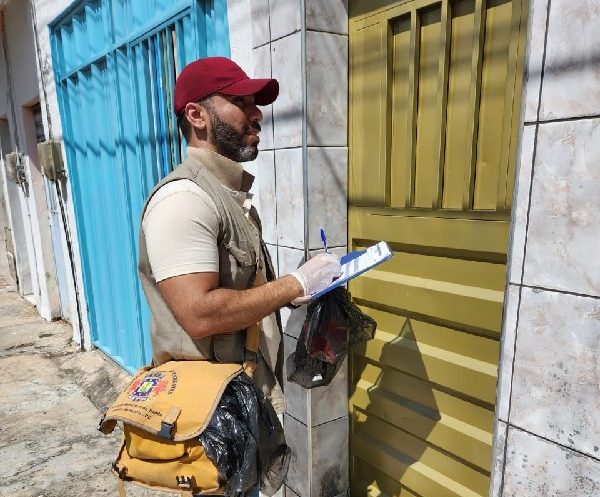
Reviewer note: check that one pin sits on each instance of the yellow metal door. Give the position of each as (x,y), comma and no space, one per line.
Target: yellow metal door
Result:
(434,106)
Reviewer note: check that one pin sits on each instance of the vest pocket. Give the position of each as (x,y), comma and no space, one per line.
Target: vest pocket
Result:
(230,347)
(241,254)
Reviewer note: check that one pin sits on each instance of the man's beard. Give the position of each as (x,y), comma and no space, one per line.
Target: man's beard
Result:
(230,142)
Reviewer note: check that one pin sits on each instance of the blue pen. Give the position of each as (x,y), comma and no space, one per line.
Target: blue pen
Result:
(324,240)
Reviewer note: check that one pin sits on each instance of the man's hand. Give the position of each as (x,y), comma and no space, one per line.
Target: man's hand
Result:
(315,274)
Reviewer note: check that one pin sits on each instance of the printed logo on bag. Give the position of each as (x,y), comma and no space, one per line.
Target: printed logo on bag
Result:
(152,384)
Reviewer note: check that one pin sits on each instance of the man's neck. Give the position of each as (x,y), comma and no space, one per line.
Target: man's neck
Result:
(196,142)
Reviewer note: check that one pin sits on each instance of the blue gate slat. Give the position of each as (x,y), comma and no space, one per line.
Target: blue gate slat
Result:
(88,204)
(66,47)
(81,46)
(145,128)
(95,27)
(152,111)
(134,198)
(129,324)
(180,42)
(100,218)
(161,104)
(119,18)
(113,212)
(170,82)
(189,41)
(115,63)
(77,156)
(221,31)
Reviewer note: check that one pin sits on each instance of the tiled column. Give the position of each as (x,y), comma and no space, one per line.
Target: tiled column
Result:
(302,174)
(548,434)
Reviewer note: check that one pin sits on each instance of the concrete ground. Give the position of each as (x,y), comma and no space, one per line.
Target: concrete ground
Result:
(51,398)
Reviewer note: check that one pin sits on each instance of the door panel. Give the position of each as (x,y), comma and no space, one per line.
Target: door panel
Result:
(434,94)
(116,63)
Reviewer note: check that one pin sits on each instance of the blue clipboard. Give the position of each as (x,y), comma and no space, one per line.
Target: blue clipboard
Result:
(345,279)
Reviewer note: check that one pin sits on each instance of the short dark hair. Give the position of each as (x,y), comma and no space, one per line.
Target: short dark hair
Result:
(182,122)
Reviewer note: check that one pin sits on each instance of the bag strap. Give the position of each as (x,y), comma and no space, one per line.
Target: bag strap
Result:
(253,331)
(121,487)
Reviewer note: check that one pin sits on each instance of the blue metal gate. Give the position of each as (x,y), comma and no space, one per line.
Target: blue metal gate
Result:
(115,63)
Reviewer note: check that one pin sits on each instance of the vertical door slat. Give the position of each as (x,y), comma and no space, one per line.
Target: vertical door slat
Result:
(413,85)
(494,82)
(442,98)
(506,149)
(460,84)
(401,142)
(473,123)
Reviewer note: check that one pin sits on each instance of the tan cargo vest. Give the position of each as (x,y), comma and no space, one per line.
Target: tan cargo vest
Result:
(241,254)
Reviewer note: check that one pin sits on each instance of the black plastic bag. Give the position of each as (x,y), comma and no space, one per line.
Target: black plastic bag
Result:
(244,440)
(333,323)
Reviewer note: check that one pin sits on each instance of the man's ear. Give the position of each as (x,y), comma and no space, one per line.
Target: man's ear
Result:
(197,116)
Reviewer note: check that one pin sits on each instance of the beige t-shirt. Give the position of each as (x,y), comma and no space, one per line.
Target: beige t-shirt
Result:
(190,244)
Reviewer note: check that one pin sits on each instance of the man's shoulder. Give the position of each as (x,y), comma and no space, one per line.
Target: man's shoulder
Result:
(183,192)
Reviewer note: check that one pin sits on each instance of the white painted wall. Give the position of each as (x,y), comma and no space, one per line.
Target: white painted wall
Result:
(46,11)
(38,231)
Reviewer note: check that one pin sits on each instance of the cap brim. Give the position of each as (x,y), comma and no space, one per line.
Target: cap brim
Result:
(265,91)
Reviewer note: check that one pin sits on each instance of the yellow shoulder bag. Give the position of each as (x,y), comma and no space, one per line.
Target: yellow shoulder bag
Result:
(163,411)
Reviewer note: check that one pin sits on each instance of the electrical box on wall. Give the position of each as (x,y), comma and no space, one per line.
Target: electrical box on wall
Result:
(50,157)
(14,167)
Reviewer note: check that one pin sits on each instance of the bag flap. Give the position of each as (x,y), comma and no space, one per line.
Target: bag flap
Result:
(175,400)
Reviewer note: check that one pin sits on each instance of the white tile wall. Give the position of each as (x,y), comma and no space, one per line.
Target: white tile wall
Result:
(327,93)
(330,16)
(287,109)
(509,328)
(262,69)
(572,72)
(537,31)
(556,371)
(285,17)
(327,195)
(520,205)
(296,435)
(564,225)
(537,468)
(267,199)
(498,462)
(296,396)
(329,470)
(261,32)
(290,194)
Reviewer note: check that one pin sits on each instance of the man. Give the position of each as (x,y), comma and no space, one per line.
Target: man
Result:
(201,254)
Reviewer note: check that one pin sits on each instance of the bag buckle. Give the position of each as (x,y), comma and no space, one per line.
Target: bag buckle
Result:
(185,482)
(166,430)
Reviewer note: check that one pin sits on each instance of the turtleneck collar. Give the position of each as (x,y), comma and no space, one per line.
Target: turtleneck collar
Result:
(229,173)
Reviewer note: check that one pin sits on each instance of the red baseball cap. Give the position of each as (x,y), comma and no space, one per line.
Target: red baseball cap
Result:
(209,75)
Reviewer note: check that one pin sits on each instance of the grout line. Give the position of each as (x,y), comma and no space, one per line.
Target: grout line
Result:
(331,421)
(291,33)
(562,119)
(295,419)
(310,250)
(316,30)
(554,442)
(535,139)
(564,292)
(275,149)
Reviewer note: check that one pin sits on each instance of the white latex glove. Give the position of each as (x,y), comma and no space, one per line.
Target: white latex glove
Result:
(315,274)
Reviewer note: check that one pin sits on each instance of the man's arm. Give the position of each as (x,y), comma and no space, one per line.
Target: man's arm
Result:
(202,309)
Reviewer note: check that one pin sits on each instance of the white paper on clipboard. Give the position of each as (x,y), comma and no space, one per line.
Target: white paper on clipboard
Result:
(356,263)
